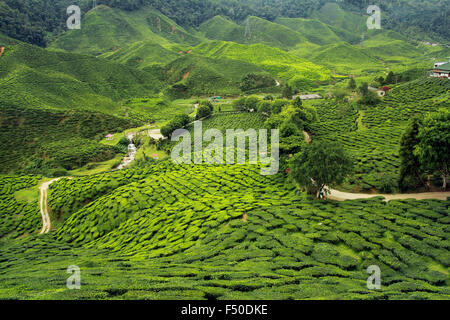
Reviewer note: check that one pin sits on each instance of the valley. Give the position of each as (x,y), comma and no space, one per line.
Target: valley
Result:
(88,122)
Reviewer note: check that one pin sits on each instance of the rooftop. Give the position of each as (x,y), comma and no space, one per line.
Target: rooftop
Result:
(444,67)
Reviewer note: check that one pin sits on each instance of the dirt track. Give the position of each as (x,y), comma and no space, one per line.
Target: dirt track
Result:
(342,196)
(46,223)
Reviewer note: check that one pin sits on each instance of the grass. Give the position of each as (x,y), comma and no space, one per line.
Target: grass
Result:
(96,167)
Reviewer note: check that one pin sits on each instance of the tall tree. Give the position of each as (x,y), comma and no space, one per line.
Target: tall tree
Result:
(410,168)
(352,84)
(433,148)
(321,164)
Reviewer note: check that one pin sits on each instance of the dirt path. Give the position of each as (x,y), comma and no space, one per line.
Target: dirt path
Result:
(342,196)
(46,223)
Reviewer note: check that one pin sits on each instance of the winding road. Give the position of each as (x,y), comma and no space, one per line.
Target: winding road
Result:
(46,222)
(342,196)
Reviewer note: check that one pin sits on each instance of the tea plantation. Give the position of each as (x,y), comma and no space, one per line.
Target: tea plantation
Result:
(373,133)
(219,232)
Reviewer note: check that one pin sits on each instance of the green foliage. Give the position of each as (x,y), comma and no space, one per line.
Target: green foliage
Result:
(33,136)
(253,81)
(321,164)
(203,112)
(185,226)
(433,148)
(193,75)
(179,122)
(410,164)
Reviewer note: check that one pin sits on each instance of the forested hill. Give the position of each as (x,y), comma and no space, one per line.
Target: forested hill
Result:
(39,21)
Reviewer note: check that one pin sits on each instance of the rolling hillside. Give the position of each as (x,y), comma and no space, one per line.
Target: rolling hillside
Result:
(220,232)
(143,54)
(74,110)
(345,58)
(33,77)
(332,14)
(314,30)
(300,72)
(108,29)
(252,30)
(194,75)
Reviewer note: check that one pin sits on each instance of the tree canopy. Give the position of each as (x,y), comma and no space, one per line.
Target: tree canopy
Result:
(321,164)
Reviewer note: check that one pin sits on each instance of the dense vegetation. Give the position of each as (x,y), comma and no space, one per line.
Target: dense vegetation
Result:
(161,230)
(197,237)
(34,21)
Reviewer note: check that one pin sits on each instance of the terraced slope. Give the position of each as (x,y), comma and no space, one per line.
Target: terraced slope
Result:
(143,54)
(346,58)
(194,75)
(252,30)
(33,77)
(300,72)
(373,134)
(314,30)
(332,14)
(108,29)
(202,232)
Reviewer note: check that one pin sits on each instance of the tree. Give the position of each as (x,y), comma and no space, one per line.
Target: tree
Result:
(287,92)
(367,97)
(410,168)
(390,79)
(321,164)
(178,122)
(203,112)
(433,148)
(352,84)
(298,103)
(363,89)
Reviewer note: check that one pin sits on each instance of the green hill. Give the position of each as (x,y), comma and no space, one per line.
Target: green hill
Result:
(142,54)
(33,77)
(288,66)
(49,97)
(193,75)
(333,15)
(106,29)
(252,30)
(313,30)
(392,47)
(346,58)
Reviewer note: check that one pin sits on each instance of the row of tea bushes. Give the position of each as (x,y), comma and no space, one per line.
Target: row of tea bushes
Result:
(226,232)
(18,217)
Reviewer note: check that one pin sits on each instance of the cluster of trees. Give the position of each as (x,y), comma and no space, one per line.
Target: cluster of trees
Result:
(205,109)
(425,150)
(178,122)
(254,81)
(394,78)
(367,96)
(291,117)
